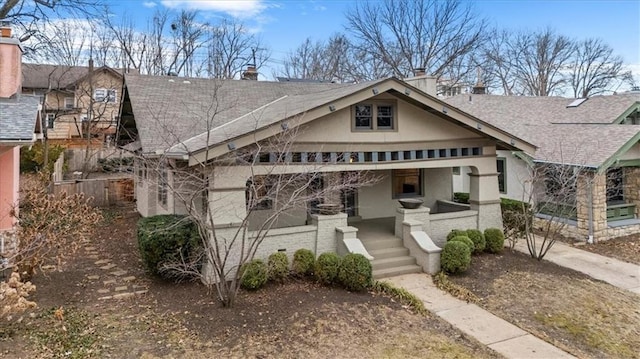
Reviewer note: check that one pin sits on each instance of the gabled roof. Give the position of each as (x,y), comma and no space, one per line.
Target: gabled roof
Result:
(584,135)
(39,76)
(18,118)
(171,113)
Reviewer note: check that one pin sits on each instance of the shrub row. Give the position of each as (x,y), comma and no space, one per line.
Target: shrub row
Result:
(353,271)
(456,254)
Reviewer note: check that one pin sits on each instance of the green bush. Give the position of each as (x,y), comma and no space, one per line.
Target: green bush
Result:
(495,240)
(355,272)
(253,275)
(466,240)
(477,237)
(168,240)
(278,265)
(455,233)
(327,266)
(455,257)
(461,197)
(303,262)
(32,158)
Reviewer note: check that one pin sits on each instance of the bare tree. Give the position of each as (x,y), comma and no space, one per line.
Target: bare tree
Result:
(320,61)
(230,47)
(497,62)
(273,190)
(594,68)
(408,35)
(538,60)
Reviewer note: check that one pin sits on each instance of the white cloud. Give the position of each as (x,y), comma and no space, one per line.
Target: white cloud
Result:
(239,9)
(149,4)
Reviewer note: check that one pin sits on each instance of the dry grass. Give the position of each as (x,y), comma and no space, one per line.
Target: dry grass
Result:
(584,317)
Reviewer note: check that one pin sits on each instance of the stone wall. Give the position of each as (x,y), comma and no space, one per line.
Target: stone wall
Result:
(8,244)
(632,187)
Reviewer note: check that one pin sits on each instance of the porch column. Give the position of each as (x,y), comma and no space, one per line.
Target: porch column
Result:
(591,204)
(632,187)
(484,197)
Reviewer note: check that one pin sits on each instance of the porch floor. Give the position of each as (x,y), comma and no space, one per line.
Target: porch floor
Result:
(375,229)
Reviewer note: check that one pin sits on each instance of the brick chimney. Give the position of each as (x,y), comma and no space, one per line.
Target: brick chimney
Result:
(251,73)
(10,62)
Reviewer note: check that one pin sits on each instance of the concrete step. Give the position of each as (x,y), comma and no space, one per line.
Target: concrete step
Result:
(382,243)
(389,252)
(392,272)
(392,262)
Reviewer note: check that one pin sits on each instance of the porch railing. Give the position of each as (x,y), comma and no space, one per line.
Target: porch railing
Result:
(618,212)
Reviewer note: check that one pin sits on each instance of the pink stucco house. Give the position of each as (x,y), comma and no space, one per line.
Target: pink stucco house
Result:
(18,118)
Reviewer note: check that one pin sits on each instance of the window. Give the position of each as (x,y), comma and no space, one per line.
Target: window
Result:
(501,165)
(615,185)
(51,118)
(258,193)
(69,103)
(407,183)
(163,178)
(105,95)
(374,116)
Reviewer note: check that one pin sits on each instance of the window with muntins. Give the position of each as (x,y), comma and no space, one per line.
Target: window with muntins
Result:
(51,119)
(163,186)
(374,116)
(105,95)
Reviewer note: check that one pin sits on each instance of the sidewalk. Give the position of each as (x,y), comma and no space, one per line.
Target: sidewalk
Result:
(492,331)
(615,272)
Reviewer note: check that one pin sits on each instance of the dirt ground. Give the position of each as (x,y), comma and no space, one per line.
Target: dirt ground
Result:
(78,316)
(587,318)
(624,248)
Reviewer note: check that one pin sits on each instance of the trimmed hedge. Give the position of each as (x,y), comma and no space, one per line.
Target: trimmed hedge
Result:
(326,269)
(466,240)
(455,233)
(355,272)
(455,257)
(278,265)
(477,237)
(253,275)
(461,197)
(167,239)
(303,262)
(495,240)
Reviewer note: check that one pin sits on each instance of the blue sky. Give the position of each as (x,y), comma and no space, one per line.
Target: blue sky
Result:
(285,24)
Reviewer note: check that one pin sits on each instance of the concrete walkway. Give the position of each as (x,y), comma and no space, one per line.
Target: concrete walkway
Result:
(615,272)
(498,334)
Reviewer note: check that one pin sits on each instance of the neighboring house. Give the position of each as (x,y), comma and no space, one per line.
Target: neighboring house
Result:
(74,98)
(18,118)
(599,135)
(390,129)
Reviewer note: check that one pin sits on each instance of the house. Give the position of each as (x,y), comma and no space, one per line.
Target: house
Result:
(222,131)
(76,96)
(18,117)
(598,135)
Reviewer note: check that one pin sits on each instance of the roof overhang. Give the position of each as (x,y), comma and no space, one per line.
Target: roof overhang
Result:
(399,89)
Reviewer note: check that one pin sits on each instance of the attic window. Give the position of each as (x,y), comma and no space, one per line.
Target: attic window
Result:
(374,116)
(105,95)
(577,102)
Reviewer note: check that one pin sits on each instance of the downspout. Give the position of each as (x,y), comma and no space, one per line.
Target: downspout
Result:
(590,201)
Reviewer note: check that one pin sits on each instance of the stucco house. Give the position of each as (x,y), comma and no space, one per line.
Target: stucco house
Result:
(76,96)
(19,115)
(599,135)
(395,130)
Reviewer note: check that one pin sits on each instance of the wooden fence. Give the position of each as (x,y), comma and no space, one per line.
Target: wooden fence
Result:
(104,191)
(75,157)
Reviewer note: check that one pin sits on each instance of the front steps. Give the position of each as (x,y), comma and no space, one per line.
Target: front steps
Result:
(391,258)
